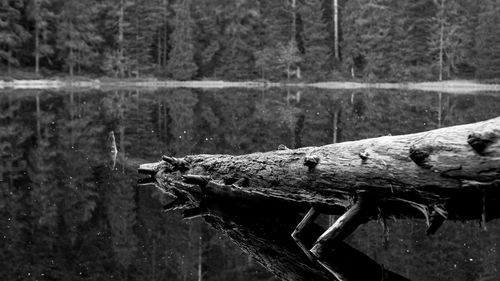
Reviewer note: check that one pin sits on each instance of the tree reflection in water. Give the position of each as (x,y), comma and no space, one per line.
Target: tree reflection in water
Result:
(66,214)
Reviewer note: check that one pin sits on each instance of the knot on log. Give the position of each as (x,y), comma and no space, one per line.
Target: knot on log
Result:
(479,142)
(311,161)
(364,154)
(178,163)
(419,155)
(282,147)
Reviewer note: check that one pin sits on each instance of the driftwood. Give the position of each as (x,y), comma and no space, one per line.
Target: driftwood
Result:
(257,199)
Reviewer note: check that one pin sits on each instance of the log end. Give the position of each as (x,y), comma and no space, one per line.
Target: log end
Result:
(150,168)
(283,147)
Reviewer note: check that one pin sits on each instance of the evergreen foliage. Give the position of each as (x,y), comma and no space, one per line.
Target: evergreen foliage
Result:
(77,36)
(238,37)
(181,64)
(488,40)
(12,33)
(317,58)
(221,39)
(40,13)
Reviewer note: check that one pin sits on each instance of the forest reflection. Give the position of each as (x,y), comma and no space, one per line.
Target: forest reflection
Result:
(66,214)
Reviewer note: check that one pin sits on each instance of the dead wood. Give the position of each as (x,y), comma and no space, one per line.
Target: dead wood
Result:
(449,173)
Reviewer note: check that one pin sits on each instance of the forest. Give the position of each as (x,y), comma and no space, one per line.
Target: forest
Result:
(304,40)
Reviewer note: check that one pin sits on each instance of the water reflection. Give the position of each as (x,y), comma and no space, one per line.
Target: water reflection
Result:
(67,214)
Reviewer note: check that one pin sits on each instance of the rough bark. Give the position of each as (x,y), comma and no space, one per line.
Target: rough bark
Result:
(257,199)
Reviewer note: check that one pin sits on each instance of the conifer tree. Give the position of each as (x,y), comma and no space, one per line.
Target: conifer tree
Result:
(414,17)
(315,37)
(367,31)
(208,34)
(139,33)
(41,13)
(181,64)
(239,22)
(77,37)
(452,38)
(12,32)
(488,40)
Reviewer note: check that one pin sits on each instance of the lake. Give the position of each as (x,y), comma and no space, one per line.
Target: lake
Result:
(71,210)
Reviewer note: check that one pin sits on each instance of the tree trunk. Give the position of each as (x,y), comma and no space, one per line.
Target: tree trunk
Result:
(448,173)
(293,26)
(200,257)
(165,34)
(441,39)
(37,49)
(38,119)
(336,29)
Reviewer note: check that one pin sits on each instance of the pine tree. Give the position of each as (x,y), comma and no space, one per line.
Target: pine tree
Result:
(115,22)
(315,35)
(77,37)
(181,63)
(367,37)
(415,18)
(488,40)
(160,17)
(139,34)
(288,56)
(12,32)
(208,32)
(40,11)
(452,38)
(238,38)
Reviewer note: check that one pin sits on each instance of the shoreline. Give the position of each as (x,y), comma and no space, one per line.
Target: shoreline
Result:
(448,86)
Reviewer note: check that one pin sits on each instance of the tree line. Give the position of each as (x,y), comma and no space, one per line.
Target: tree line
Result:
(273,40)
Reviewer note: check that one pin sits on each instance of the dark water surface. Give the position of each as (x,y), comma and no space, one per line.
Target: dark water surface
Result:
(66,214)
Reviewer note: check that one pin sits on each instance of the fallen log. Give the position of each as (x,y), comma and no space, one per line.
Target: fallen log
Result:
(446,174)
